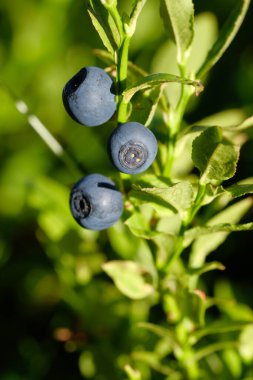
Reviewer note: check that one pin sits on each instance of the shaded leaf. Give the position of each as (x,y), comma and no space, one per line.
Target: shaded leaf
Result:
(178,16)
(226,36)
(160,331)
(215,157)
(144,105)
(130,278)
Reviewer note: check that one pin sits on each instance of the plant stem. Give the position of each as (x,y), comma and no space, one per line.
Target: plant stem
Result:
(122,78)
(46,136)
(179,245)
(174,124)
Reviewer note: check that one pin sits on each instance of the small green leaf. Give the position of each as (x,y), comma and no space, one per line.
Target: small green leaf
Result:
(219,227)
(215,157)
(144,105)
(211,348)
(130,278)
(139,225)
(245,124)
(157,80)
(131,25)
(179,196)
(193,233)
(160,331)
(132,373)
(227,34)
(245,345)
(238,190)
(206,268)
(178,16)
(218,328)
(105,25)
(101,32)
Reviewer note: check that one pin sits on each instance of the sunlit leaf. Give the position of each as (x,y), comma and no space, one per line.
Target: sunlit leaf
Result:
(103,35)
(179,196)
(178,16)
(215,157)
(130,278)
(245,344)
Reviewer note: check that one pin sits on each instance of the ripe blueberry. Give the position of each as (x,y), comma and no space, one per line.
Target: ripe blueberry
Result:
(132,148)
(95,202)
(89,97)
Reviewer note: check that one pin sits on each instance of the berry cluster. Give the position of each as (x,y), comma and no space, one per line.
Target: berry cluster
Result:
(89,98)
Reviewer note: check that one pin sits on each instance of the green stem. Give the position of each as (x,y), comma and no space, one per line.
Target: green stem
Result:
(122,78)
(174,124)
(179,245)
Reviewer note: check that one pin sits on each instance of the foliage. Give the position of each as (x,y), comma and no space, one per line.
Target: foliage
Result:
(144,299)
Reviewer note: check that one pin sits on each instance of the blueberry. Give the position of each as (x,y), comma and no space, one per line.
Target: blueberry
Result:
(132,148)
(89,96)
(95,202)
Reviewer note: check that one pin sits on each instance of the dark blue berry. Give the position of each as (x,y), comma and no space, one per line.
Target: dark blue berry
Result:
(132,148)
(89,96)
(95,202)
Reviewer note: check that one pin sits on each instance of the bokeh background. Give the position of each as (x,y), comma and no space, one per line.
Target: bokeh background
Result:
(60,316)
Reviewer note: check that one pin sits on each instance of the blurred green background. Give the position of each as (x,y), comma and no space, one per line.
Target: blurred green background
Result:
(60,315)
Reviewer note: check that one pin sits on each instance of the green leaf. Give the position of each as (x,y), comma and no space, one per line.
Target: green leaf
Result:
(206,268)
(130,278)
(101,31)
(215,157)
(105,25)
(179,196)
(205,34)
(158,80)
(226,36)
(218,328)
(245,124)
(132,373)
(204,244)
(225,227)
(211,348)
(238,190)
(245,345)
(160,331)
(178,16)
(144,105)
(139,225)
(131,25)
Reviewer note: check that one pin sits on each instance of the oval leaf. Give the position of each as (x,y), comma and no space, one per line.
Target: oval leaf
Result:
(215,157)
(178,16)
(130,278)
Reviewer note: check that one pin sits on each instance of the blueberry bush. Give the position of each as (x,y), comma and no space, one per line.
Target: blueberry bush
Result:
(125,248)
